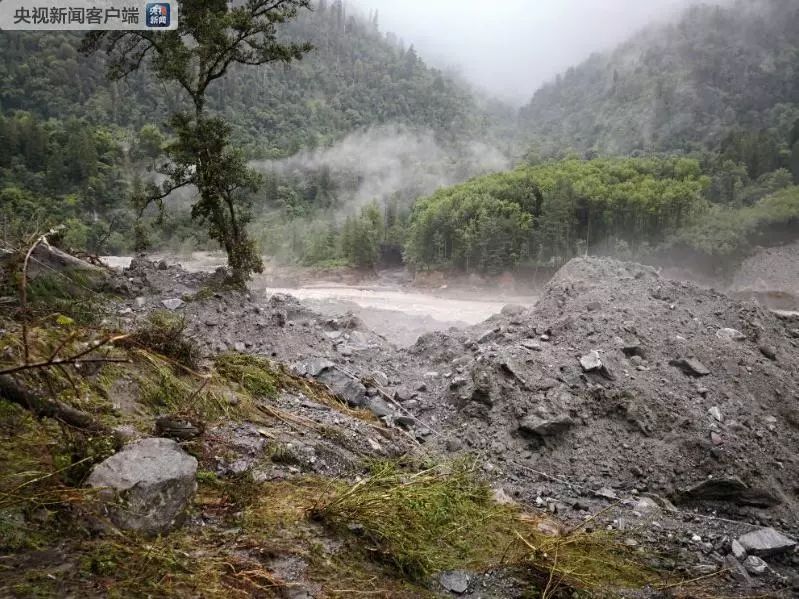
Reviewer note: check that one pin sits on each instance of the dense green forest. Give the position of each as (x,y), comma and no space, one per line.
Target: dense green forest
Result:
(682,142)
(356,77)
(678,87)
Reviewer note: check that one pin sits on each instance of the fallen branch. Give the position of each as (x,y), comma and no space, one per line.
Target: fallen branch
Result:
(11,391)
(74,360)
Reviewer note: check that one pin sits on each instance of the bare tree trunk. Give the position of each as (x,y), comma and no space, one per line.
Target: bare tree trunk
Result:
(11,391)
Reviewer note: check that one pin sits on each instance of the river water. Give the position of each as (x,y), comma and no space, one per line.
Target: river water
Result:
(398,312)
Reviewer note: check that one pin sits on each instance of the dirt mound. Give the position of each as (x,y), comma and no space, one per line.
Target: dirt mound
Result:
(771,276)
(589,272)
(618,378)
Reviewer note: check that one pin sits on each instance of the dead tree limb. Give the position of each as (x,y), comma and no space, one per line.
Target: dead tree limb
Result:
(11,391)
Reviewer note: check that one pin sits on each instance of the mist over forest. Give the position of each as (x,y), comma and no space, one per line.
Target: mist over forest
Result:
(440,299)
(353,143)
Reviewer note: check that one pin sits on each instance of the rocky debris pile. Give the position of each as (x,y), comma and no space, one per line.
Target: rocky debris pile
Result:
(771,276)
(151,282)
(618,378)
(147,486)
(276,325)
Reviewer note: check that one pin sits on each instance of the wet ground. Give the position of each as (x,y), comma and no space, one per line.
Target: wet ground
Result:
(399,313)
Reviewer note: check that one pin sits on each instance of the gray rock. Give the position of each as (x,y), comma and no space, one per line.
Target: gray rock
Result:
(312,367)
(606,493)
(172,304)
(755,566)
(730,335)
(765,542)
(737,571)
(349,389)
(769,352)
(543,428)
(591,361)
(147,486)
(176,428)
(730,489)
(716,413)
(531,344)
(403,394)
(647,505)
(378,407)
(405,421)
(487,335)
(691,366)
(380,378)
(513,310)
(456,581)
(738,550)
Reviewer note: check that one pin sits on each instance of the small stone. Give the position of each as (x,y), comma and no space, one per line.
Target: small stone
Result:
(737,571)
(606,493)
(755,566)
(403,394)
(591,361)
(647,505)
(545,427)
(716,439)
(769,352)
(716,413)
(378,407)
(405,421)
(172,304)
(691,366)
(312,367)
(730,335)
(456,581)
(531,344)
(486,336)
(738,550)
(380,378)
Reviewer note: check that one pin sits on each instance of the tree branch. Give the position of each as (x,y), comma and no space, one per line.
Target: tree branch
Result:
(48,408)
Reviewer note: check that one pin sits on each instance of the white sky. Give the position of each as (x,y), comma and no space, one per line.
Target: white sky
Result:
(511,47)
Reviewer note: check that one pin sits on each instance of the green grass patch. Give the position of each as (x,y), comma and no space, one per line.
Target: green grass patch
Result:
(163,333)
(263,378)
(255,374)
(444,518)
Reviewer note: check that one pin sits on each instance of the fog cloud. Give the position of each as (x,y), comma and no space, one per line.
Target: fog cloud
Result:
(509,48)
(391,161)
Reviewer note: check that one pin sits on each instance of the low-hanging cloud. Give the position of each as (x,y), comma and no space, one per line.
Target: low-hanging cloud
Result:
(391,161)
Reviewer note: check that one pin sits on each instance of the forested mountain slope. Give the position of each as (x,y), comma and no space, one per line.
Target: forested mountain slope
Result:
(74,145)
(680,86)
(355,77)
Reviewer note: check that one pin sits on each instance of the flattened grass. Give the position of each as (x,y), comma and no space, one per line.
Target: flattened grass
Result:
(444,518)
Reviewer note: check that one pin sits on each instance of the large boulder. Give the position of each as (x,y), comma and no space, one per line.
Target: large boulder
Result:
(147,486)
(766,541)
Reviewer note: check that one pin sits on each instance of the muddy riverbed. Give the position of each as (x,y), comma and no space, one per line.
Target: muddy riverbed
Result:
(386,304)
